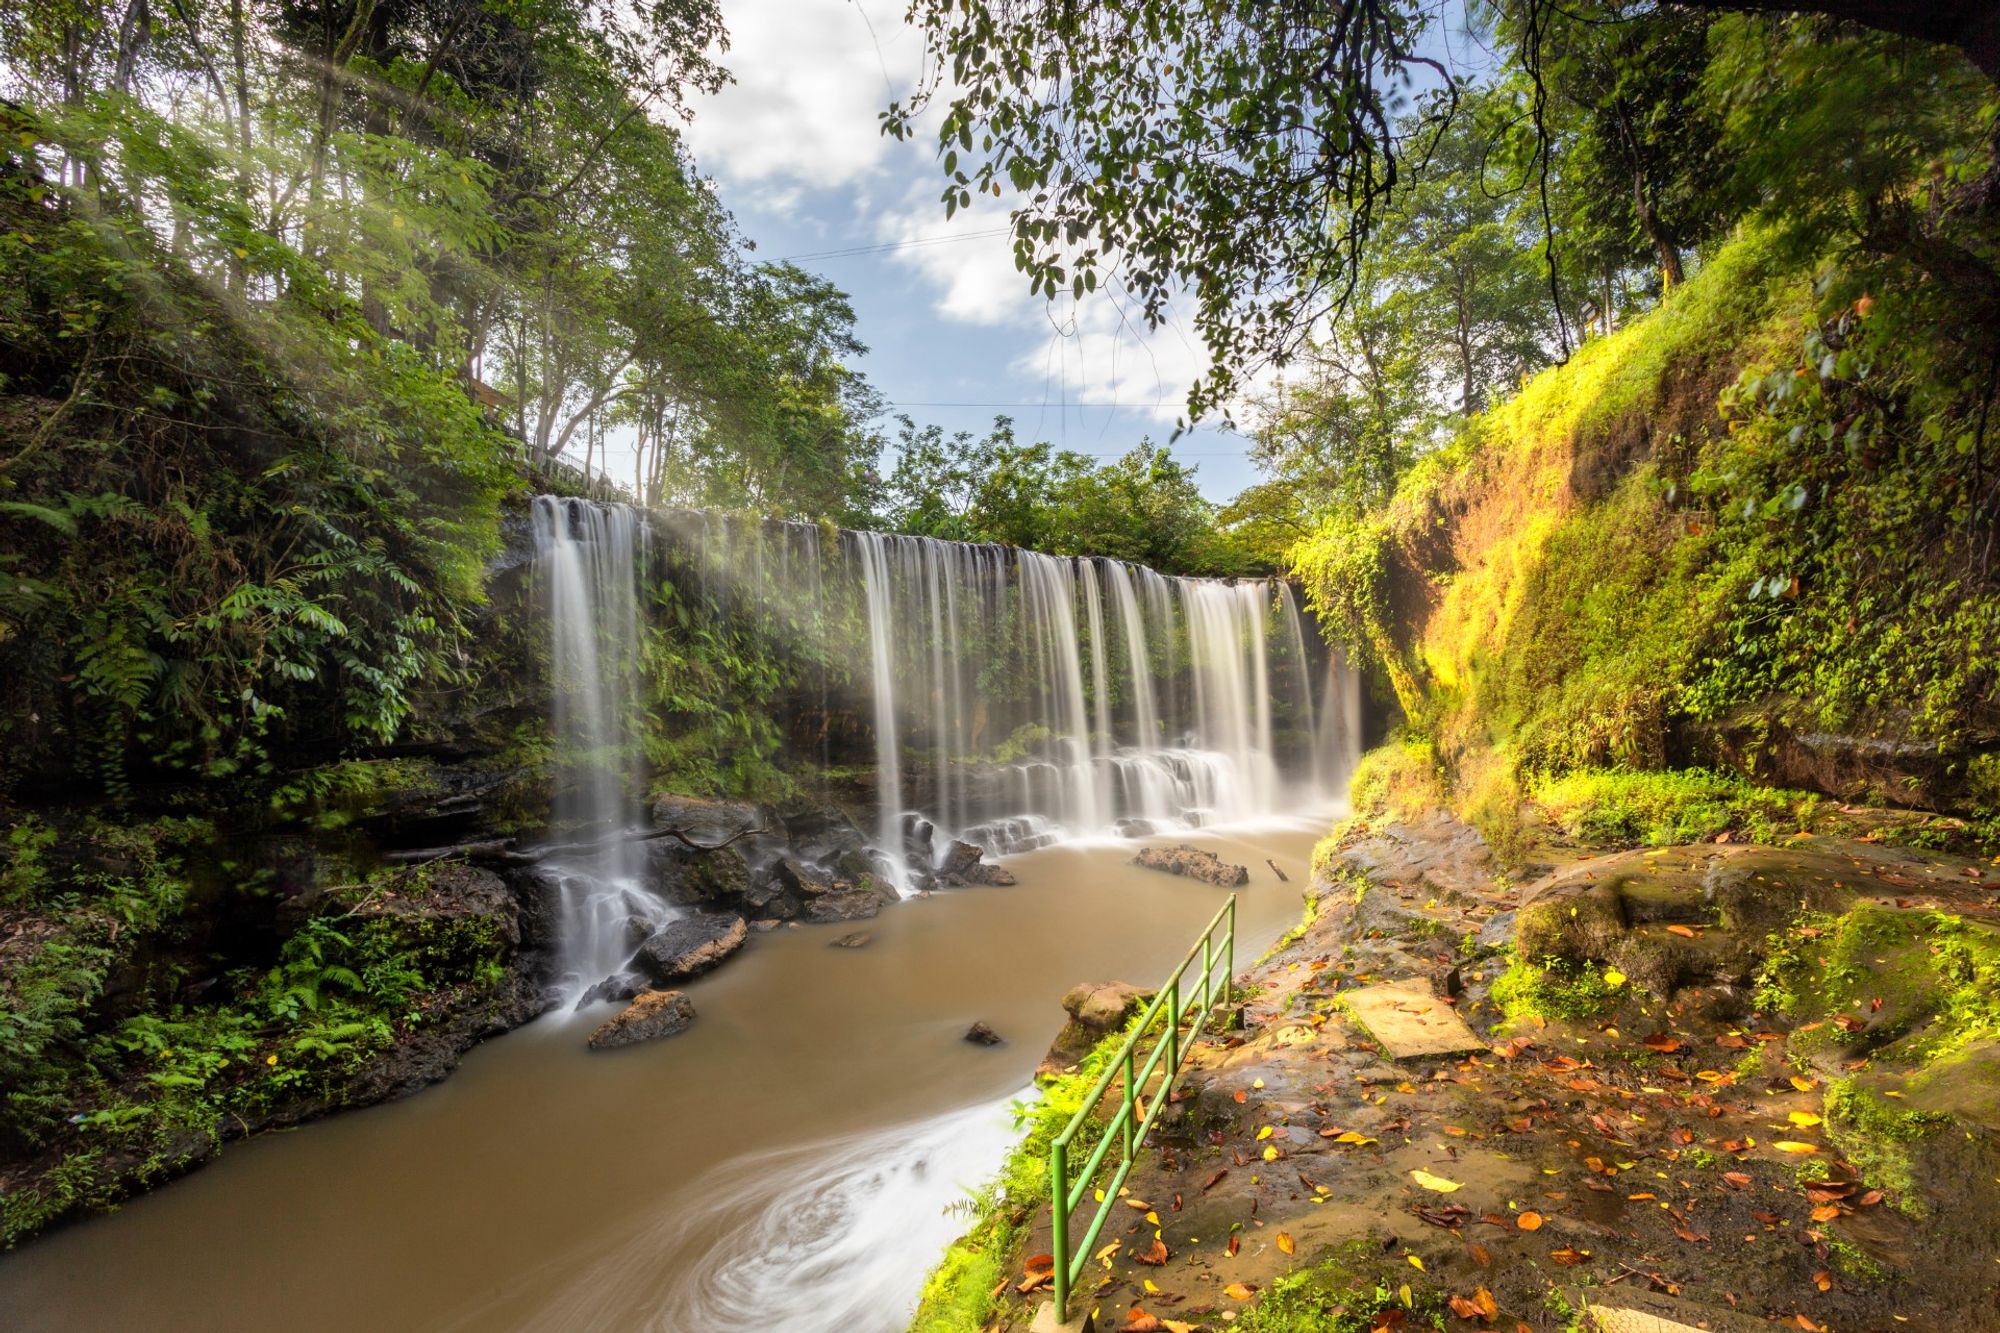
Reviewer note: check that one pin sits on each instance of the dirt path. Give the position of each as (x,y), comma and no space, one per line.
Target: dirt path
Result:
(1677,1157)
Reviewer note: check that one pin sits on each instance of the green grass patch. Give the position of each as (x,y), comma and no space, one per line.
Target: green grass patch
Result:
(1618,807)
(1554,989)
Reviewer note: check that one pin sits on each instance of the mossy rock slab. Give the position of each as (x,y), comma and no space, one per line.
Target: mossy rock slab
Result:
(1408,1021)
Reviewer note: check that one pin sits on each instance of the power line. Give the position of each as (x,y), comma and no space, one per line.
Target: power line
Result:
(1045,403)
(887,246)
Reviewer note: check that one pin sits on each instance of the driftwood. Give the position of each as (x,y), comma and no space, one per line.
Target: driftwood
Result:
(1283,878)
(501,851)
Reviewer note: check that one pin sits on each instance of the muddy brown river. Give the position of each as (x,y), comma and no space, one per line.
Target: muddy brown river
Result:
(797,1161)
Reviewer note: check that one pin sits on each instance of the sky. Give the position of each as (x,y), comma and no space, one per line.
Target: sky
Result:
(954,335)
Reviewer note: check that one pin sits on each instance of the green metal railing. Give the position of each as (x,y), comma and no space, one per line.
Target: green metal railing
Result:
(1177,1001)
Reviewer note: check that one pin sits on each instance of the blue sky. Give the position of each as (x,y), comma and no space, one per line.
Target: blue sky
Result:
(955,336)
(796,151)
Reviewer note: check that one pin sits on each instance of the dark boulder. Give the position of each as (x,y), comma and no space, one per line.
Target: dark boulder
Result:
(1194,863)
(958,858)
(659,1013)
(690,946)
(617,988)
(981,1035)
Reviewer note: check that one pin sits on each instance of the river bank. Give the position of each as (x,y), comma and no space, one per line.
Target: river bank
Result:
(1719,1083)
(545,1185)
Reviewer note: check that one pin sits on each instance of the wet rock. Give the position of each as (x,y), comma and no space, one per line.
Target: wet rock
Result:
(1095,1009)
(690,946)
(639,929)
(989,876)
(659,1013)
(617,988)
(851,903)
(981,1035)
(1131,827)
(1193,863)
(858,940)
(710,821)
(958,858)
(1497,933)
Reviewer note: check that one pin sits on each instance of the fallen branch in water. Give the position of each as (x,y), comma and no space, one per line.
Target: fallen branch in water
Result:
(1283,878)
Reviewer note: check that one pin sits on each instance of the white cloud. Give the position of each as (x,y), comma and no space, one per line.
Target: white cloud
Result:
(812,76)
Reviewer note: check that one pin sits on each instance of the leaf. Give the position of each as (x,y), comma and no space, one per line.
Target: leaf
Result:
(1240,1096)
(1286,1243)
(1823,1280)
(1793,1145)
(1153,1256)
(1415,1262)
(1438,1183)
(1662,1043)
(1039,1261)
(1235,1244)
(1685,932)
(1270,1154)
(1359,1140)
(1803,1119)
(1214,1180)
(1265,1133)
(1529,1221)
(1613,977)
(1238,1291)
(1138,1321)
(1826,1212)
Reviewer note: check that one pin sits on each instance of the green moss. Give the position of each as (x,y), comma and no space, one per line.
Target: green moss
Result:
(1553,989)
(1625,807)
(1879,1137)
(1344,1293)
(1399,779)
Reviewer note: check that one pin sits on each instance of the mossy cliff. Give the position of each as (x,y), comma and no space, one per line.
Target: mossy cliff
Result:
(1741,533)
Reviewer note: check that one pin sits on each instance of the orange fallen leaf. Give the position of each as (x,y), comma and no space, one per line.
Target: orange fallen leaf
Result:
(1155,1256)
(1286,1243)
(1685,932)
(1138,1321)
(1529,1222)
(1823,1280)
(1238,1291)
(1240,1096)
(1036,1261)
(1826,1212)
(1235,1244)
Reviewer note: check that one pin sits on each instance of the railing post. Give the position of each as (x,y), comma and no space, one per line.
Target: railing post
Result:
(1173,1035)
(1207,971)
(1129,1115)
(1229,974)
(1059,1246)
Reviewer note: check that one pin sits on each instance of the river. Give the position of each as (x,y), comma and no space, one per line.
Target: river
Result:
(792,1162)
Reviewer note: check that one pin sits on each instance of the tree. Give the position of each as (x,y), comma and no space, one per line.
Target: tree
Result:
(1238,155)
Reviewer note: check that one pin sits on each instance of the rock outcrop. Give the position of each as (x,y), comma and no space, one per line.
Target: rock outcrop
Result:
(657,1013)
(690,946)
(1193,863)
(1095,1008)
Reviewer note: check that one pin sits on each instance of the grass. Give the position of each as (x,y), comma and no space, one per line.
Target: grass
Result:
(1553,989)
(1344,1294)
(1625,807)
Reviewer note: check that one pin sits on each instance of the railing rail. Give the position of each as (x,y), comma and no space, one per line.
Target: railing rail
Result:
(1190,1003)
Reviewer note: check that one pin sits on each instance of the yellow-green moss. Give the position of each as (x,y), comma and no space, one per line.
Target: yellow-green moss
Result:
(1553,989)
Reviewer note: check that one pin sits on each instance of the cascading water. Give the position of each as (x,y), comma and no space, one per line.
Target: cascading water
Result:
(587,558)
(1010,698)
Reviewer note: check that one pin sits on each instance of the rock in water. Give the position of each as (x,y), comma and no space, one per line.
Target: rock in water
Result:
(1194,863)
(981,1035)
(657,1013)
(857,940)
(619,987)
(690,946)
(958,858)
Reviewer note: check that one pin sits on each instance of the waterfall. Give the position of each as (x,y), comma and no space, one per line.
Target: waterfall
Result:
(1007,698)
(587,560)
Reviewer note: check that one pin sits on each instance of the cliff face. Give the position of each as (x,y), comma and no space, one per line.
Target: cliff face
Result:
(1726,536)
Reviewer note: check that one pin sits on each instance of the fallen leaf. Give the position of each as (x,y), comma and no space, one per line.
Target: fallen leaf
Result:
(1793,1145)
(1036,1261)
(1240,1096)
(1685,932)
(1265,1133)
(1270,1154)
(1153,1257)
(1431,1182)
(1286,1243)
(1826,1212)
(1823,1280)
(1138,1321)
(1738,1179)
(1662,1043)
(1570,1257)
(1235,1244)
(1529,1221)
(1804,1084)
(1415,1262)
(1803,1119)
(1214,1180)
(1238,1291)
(1613,977)
(1481,1255)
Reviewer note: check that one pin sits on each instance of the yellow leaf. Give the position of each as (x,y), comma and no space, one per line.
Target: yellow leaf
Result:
(1351,1137)
(1150,1288)
(1264,1133)
(1613,977)
(1804,1084)
(1270,1154)
(1236,1291)
(1788,1145)
(1409,1301)
(1803,1119)
(1153,1217)
(1431,1182)
(1415,1262)
(1258,1083)
(270,1059)
(1286,1243)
